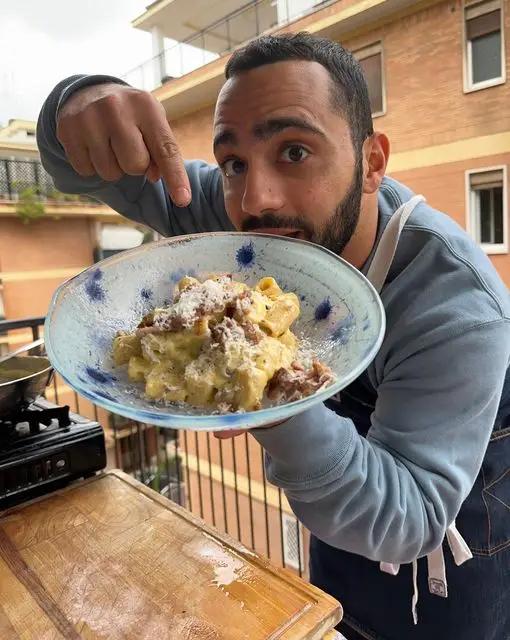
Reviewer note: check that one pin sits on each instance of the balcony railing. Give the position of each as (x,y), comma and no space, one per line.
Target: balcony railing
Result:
(222,482)
(217,39)
(21,179)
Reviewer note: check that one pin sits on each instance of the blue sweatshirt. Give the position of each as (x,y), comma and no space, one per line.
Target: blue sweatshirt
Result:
(438,376)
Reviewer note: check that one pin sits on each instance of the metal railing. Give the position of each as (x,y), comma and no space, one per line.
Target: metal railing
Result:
(28,178)
(218,38)
(221,481)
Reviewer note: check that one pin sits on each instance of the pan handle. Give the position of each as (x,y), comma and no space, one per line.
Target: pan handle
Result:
(27,347)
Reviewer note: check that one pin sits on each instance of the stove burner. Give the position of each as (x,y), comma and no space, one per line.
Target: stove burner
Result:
(44,447)
(36,419)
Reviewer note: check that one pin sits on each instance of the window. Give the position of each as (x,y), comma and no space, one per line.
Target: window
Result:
(292,542)
(487,209)
(371,61)
(113,238)
(484,46)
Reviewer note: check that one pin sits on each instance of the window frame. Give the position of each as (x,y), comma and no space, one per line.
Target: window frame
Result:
(366,52)
(469,85)
(490,249)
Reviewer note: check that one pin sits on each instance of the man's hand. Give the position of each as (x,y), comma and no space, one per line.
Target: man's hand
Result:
(229,433)
(233,433)
(111,130)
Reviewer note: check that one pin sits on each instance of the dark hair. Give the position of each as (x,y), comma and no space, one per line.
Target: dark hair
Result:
(349,89)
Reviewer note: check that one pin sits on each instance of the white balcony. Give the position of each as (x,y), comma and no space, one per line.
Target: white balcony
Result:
(187,35)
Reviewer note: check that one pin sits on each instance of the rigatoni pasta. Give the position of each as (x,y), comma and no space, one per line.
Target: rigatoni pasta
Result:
(221,344)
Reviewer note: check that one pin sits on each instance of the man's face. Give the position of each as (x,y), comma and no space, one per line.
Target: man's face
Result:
(288,162)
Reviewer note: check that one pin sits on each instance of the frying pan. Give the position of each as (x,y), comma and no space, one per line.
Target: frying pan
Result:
(23,378)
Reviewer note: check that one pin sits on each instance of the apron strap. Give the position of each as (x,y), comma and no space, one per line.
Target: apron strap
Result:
(387,246)
(377,274)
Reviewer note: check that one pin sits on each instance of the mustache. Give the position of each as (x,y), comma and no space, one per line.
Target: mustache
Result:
(272,221)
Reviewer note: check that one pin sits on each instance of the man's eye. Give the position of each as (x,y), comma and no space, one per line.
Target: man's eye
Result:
(294,153)
(232,167)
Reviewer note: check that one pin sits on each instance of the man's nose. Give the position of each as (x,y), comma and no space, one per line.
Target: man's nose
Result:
(262,193)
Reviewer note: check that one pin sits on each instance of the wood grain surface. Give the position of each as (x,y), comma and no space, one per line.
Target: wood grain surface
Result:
(109,558)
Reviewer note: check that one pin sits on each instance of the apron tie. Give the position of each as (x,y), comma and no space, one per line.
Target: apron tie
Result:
(438,585)
(414,602)
(458,546)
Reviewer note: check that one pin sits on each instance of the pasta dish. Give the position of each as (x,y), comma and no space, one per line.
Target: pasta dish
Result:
(222,345)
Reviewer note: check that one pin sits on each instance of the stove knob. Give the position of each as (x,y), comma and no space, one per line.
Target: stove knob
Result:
(37,473)
(60,464)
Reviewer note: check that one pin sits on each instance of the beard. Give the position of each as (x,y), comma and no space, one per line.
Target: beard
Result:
(335,233)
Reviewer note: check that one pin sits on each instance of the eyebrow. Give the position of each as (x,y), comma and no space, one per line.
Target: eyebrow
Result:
(271,127)
(267,129)
(223,138)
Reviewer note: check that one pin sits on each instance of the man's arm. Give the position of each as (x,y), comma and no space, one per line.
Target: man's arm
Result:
(391,496)
(134,196)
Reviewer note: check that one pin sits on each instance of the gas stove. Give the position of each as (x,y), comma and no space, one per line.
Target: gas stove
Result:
(43,448)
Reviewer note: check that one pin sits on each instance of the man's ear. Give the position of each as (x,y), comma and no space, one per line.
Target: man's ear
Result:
(376,151)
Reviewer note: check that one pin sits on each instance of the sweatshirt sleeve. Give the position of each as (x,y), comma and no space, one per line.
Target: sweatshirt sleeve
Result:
(134,197)
(391,496)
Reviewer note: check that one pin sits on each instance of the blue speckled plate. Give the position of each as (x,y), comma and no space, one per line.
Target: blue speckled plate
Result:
(342,317)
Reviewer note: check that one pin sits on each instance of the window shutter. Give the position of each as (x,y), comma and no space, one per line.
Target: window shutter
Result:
(483,25)
(486,179)
(372,70)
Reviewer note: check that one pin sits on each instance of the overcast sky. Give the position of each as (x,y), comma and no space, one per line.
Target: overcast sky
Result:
(43,41)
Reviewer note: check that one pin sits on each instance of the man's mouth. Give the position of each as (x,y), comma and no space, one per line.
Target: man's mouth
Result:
(290,233)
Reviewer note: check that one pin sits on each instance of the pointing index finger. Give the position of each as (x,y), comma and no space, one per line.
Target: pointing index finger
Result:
(166,155)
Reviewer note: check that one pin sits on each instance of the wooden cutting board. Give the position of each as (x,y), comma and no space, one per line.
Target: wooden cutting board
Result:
(110,558)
